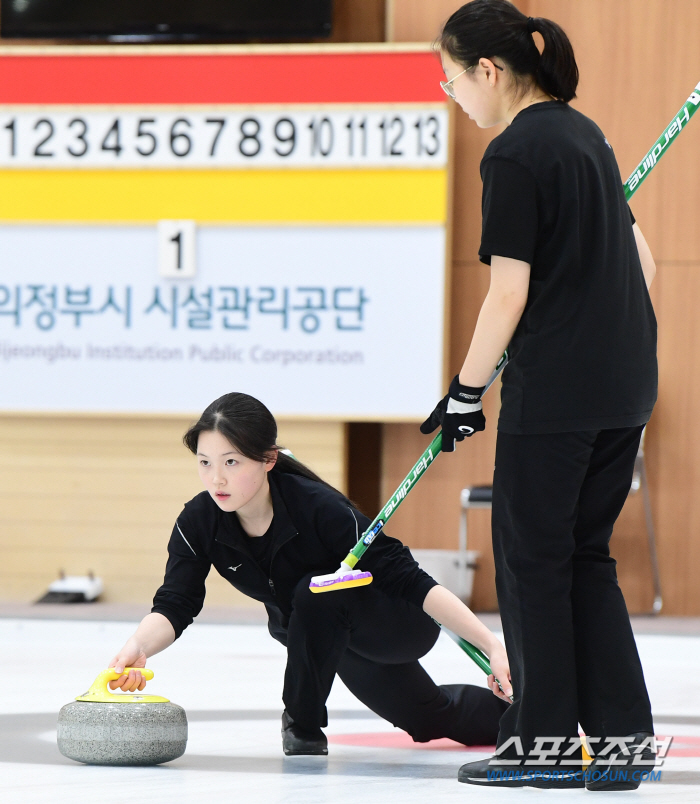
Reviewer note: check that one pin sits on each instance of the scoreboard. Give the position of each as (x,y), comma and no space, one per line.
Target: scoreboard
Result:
(176,223)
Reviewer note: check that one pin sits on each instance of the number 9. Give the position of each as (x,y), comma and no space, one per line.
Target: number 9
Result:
(290,138)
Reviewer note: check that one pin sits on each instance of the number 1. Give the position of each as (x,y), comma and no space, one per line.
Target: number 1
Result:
(11,128)
(178,241)
(178,262)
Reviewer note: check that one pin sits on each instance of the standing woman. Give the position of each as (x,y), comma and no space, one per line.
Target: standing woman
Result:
(267,524)
(568,297)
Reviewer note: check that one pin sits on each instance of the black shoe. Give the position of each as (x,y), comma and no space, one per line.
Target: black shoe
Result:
(297,742)
(490,773)
(601,775)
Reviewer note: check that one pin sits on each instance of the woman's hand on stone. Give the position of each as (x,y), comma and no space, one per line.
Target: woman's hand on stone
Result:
(129,656)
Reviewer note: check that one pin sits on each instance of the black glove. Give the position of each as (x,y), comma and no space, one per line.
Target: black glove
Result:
(459,413)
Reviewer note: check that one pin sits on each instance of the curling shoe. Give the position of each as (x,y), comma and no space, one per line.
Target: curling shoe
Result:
(298,742)
(624,774)
(486,773)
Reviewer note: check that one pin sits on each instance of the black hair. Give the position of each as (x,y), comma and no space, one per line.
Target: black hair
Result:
(250,427)
(496,28)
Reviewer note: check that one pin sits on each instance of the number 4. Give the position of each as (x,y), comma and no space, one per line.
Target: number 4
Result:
(112,140)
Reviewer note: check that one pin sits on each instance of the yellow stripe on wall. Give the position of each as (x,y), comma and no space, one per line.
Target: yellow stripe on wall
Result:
(241,196)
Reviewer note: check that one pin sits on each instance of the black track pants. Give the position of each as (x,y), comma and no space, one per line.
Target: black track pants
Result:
(572,653)
(373,643)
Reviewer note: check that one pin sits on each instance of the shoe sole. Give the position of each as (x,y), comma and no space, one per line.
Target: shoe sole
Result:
(603,785)
(613,786)
(545,784)
(292,753)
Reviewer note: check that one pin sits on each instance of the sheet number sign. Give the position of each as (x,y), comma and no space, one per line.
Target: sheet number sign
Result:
(176,249)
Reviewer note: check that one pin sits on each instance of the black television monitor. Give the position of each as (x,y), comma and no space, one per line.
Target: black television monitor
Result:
(165,20)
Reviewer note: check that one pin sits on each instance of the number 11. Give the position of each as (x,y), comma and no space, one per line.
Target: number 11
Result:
(350,126)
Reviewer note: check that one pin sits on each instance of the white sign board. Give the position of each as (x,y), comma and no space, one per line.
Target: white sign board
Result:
(344,322)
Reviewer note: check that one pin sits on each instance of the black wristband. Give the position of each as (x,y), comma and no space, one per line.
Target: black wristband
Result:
(465,393)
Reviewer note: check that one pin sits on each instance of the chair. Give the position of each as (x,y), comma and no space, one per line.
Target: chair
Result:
(482,496)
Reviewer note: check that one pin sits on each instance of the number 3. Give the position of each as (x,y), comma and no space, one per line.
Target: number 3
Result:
(80,137)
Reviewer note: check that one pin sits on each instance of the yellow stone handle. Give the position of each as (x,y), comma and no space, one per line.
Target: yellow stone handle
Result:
(99,685)
(99,692)
(147,673)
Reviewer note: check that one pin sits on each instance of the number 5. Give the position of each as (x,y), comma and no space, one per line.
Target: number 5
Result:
(140,132)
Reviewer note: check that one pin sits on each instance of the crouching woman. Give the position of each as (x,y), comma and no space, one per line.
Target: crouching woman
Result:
(267,524)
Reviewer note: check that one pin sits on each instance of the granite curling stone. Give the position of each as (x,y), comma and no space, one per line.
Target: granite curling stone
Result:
(104,728)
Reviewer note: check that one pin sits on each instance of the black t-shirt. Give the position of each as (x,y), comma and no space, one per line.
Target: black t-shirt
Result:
(261,549)
(583,356)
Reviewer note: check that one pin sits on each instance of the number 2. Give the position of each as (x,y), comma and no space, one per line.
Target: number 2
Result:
(37,150)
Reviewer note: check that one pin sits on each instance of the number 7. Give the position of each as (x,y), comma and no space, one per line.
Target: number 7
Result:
(221,122)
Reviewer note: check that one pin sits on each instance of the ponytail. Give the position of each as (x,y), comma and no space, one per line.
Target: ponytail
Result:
(497,29)
(557,71)
(250,427)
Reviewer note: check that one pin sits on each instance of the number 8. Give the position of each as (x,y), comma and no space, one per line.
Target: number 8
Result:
(248,136)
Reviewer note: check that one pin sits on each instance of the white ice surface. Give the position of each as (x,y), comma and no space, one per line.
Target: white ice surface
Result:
(239,668)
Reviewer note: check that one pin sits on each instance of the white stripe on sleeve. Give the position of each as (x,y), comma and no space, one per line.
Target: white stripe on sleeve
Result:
(177,525)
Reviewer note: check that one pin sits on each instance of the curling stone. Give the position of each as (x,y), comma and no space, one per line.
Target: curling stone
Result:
(104,728)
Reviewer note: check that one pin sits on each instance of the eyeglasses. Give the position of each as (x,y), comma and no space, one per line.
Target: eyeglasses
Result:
(447,85)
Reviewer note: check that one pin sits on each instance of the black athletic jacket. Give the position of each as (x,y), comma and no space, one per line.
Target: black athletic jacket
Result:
(313,528)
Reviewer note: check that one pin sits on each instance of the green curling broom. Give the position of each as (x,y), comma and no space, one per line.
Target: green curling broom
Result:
(347,576)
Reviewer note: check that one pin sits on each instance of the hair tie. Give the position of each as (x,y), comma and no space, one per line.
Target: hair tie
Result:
(531,25)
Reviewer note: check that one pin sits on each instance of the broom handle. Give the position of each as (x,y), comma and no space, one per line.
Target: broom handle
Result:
(658,149)
(479,658)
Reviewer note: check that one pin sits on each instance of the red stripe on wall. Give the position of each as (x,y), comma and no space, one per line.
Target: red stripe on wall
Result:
(226,78)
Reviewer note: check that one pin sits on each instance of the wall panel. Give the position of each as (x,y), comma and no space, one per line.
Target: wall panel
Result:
(416,20)
(101,494)
(355,21)
(675,445)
